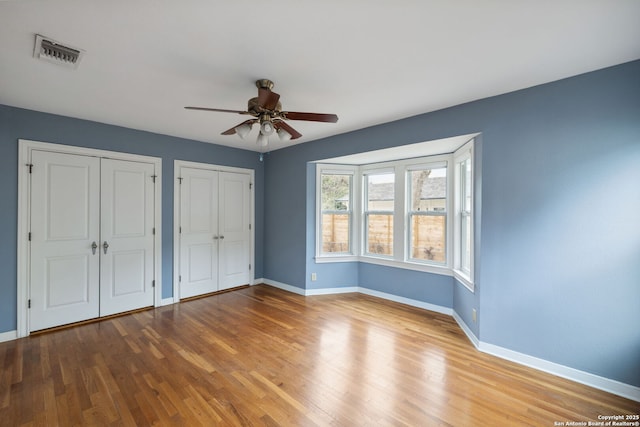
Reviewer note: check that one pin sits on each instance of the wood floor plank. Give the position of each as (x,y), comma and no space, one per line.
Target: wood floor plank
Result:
(260,356)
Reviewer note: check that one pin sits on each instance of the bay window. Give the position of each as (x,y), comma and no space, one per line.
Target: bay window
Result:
(413,213)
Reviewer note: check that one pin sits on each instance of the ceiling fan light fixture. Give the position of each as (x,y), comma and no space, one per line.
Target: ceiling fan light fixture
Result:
(263,140)
(284,135)
(266,127)
(243,130)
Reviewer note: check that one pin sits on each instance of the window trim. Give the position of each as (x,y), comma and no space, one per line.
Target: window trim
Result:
(437,162)
(462,154)
(401,250)
(365,212)
(353,243)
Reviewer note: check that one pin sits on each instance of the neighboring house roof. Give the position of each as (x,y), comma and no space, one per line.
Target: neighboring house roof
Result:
(433,188)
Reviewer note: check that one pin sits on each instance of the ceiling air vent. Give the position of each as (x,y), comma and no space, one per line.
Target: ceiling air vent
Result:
(50,50)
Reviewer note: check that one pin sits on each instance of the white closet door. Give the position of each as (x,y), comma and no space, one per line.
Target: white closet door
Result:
(235,235)
(199,232)
(64,272)
(126,247)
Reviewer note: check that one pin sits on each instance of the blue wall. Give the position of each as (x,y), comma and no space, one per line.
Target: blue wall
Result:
(558,270)
(558,267)
(17,124)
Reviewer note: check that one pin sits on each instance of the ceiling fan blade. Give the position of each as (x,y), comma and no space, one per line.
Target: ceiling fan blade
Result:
(282,125)
(312,117)
(221,110)
(267,99)
(233,129)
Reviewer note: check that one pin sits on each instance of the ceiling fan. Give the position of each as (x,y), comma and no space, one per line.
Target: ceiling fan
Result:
(267,111)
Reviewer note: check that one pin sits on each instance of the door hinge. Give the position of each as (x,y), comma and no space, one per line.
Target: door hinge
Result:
(30,165)
(250,185)
(180,230)
(180,179)
(153,283)
(249,266)
(153,178)
(249,226)
(153,231)
(29,303)
(29,236)
(179,278)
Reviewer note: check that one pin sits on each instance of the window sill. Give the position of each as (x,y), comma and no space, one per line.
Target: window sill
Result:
(335,258)
(435,269)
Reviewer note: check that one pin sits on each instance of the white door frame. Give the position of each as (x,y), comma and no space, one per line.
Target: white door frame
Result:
(25,147)
(177,166)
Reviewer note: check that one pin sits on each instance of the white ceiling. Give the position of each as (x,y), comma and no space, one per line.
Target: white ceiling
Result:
(369,61)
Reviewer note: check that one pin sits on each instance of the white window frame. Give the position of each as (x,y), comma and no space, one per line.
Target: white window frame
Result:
(465,277)
(401,251)
(329,169)
(365,173)
(436,162)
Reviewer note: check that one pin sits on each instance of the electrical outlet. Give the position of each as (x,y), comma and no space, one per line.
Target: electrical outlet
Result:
(314,277)
(474,315)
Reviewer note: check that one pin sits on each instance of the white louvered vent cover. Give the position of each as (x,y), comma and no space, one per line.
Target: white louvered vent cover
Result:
(50,50)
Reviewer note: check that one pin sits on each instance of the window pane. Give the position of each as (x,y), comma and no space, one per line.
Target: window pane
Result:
(336,213)
(428,190)
(428,237)
(336,192)
(427,214)
(465,244)
(380,234)
(465,170)
(465,216)
(335,232)
(380,192)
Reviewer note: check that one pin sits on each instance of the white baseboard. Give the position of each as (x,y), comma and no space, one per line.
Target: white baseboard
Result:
(408,301)
(582,377)
(474,340)
(8,336)
(331,291)
(284,286)
(611,386)
(366,291)
(307,292)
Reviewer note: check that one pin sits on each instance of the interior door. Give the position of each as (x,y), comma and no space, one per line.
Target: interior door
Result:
(127,240)
(65,212)
(198,232)
(235,234)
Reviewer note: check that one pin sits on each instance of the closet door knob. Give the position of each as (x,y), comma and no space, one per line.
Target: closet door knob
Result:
(94,246)
(105,246)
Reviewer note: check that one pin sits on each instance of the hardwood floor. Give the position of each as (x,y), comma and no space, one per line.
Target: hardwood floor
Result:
(260,356)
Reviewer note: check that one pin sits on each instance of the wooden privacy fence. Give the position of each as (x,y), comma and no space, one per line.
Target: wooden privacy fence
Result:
(428,240)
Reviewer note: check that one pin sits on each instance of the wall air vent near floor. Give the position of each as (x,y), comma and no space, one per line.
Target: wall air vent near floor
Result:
(52,51)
